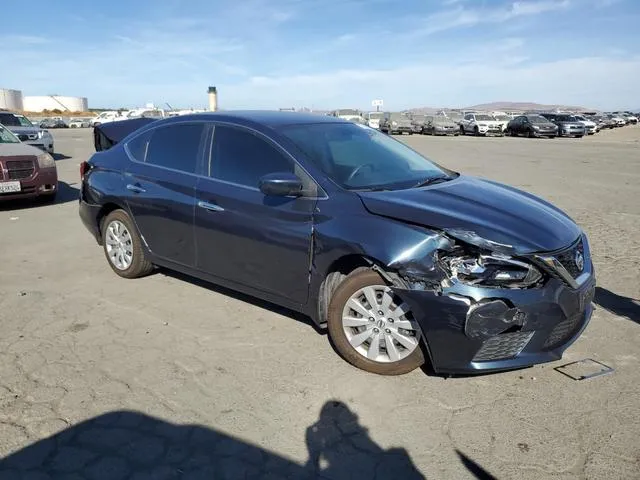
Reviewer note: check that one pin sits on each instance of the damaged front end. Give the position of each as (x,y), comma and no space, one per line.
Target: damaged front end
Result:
(484,305)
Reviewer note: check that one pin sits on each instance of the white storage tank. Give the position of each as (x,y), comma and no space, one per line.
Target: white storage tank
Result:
(55,102)
(10,99)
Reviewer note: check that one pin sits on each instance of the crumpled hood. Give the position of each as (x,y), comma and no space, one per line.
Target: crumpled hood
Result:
(495,212)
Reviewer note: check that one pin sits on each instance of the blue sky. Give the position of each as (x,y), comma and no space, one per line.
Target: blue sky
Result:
(325,53)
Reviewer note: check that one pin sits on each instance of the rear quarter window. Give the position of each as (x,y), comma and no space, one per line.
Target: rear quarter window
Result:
(137,146)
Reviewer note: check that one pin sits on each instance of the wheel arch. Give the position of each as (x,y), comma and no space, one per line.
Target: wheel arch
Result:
(333,276)
(106,209)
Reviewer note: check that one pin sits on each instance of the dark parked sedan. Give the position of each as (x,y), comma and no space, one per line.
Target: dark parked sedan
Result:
(531,126)
(568,125)
(400,258)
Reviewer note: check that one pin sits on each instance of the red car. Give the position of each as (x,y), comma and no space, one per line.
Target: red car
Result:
(25,171)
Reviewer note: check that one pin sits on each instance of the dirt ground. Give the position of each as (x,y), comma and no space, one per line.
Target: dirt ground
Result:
(167,377)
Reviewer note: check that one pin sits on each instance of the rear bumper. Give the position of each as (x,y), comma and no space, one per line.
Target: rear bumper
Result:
(89,214)
(43,182)
(471,330)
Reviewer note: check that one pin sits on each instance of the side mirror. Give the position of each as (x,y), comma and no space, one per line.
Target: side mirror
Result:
(281,184)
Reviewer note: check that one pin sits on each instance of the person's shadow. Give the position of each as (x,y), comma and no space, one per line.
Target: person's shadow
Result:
(125,444)
(339,447)
(133,445)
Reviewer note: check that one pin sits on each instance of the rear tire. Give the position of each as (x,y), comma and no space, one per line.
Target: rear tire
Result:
(123,247)
(408,359)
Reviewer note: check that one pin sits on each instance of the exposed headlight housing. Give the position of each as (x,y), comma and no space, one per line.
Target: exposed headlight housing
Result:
(46,161)
(491,270)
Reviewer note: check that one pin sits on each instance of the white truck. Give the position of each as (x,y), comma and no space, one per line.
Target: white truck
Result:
(107,117)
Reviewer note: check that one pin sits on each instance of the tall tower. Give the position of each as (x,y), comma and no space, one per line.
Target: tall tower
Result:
(213,98)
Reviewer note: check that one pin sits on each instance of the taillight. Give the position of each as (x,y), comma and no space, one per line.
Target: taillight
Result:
(84,168)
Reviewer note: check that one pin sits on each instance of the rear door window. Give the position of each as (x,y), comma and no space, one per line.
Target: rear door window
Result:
(176,146)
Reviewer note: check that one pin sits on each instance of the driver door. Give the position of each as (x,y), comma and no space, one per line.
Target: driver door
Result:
(262,242)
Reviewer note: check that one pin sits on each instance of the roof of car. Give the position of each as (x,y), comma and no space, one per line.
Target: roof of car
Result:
(269,118)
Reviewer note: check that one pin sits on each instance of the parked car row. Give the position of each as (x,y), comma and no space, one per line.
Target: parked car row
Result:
(530,124)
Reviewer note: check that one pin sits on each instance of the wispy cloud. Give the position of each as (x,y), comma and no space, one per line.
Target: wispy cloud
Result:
(462,16)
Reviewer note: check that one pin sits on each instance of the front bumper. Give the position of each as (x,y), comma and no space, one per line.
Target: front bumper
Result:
(545,133)
(473,329)
(490,131)
(572,132)
(446,131)
(45,143)
(402,129)
(43,182)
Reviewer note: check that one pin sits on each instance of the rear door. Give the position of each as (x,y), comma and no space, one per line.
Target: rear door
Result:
(263,242)
(161,184)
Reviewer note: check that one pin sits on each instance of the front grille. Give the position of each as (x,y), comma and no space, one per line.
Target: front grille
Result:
(568,259)
(19,169)
(563,332)
(503,346)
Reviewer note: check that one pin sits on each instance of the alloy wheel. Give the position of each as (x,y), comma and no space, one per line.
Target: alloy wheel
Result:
(378,326)
(119,245)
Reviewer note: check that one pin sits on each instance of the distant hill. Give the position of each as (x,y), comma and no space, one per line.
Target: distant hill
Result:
(518,106)
(502,106)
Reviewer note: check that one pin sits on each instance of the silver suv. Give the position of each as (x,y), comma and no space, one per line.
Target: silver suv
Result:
(26,131)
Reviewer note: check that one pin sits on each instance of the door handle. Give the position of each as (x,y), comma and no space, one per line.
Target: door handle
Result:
(135,188)
(212,207)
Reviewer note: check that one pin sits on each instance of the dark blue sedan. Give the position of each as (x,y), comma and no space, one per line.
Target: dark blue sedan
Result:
(401,259)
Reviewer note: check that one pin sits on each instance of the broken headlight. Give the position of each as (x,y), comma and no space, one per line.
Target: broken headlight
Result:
(493,271)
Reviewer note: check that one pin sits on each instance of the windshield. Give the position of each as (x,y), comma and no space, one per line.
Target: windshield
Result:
(7,137)
(537,119)
(480,116)
(502,117)
(454,116)
(442,120)
(24,121)
(361,158)
(375,115)
(419,118)
(398,116)
(9,120)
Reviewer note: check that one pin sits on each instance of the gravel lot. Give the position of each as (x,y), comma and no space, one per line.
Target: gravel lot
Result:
(166,376)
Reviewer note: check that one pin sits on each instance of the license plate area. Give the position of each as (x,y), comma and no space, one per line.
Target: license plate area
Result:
(10,187)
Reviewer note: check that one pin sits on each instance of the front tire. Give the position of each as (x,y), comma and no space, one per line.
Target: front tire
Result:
(123,247)
(372,328)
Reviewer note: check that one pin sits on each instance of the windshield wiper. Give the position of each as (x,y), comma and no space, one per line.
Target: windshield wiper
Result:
(431,181)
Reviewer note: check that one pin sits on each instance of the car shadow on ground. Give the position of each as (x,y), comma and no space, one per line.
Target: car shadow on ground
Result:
(67,192)
(128,444)
(243,298)
(618,304)
(60,156)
